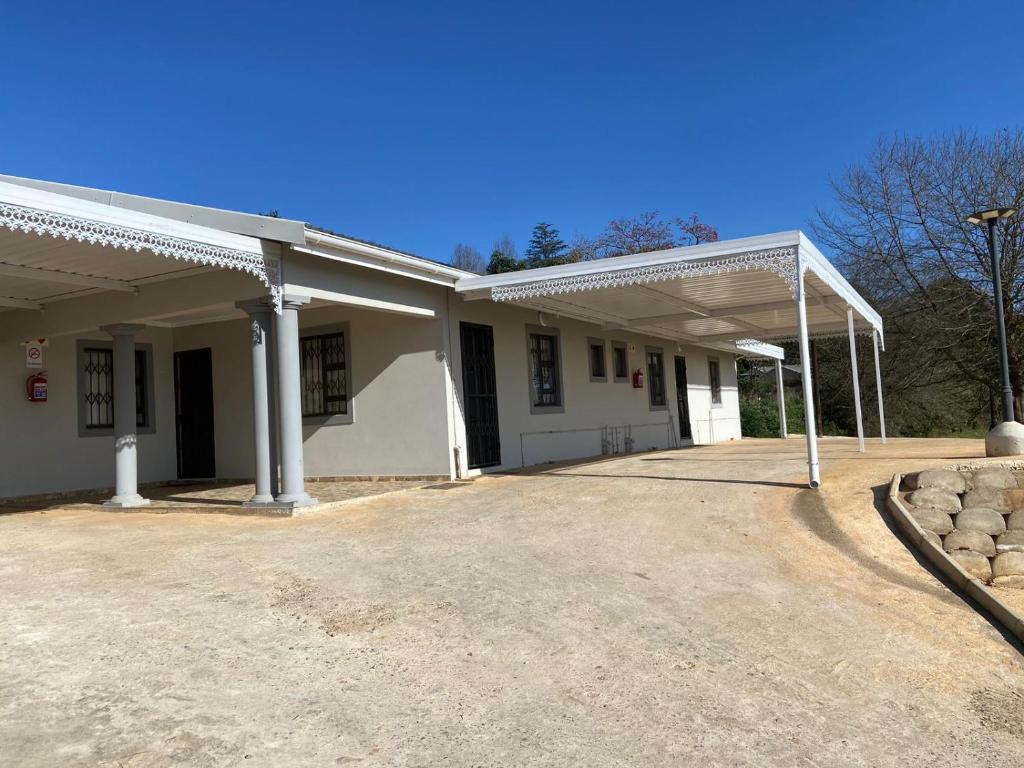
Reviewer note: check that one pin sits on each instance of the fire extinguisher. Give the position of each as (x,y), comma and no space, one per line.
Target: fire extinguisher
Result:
(36,387)
(638,379)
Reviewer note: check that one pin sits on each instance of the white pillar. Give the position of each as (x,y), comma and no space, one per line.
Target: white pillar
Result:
(783,431)
(126,493)
(260,318)
(293,484)
(813,473)
(878,385)
(856,379)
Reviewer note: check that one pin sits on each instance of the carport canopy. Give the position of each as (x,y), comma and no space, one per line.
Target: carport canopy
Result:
(735,295)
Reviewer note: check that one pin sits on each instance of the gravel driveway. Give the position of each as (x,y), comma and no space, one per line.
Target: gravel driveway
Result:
(693,607)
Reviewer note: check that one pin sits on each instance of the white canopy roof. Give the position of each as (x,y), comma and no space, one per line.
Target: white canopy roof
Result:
(713,294)
(78,246)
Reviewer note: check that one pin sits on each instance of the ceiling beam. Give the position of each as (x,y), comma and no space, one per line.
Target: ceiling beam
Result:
(724,313)
(20,303)
(70,278)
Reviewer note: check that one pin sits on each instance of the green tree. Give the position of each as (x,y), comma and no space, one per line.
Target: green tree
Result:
(546,247)
(501,261)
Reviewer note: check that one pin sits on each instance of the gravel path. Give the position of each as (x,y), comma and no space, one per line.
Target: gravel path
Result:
(695,607)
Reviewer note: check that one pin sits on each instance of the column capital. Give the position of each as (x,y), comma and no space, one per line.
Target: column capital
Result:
(258,306)
(123,329)
(294,301)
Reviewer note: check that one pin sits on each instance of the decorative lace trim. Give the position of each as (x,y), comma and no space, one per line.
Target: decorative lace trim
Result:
(57,225)
(781,261)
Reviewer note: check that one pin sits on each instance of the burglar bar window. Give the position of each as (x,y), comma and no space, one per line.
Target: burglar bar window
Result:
(324,380)
(656,377)
(99,388)
(98,369)
(715,378)
(547,389)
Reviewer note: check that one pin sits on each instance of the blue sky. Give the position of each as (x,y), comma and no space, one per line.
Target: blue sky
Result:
(421,125)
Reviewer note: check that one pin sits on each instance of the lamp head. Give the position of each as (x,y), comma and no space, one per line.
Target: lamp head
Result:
(981,217)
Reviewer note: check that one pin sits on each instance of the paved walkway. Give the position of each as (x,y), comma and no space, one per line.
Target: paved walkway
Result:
(695,607)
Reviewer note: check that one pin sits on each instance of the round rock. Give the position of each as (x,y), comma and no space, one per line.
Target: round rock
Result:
(994,477)
(1011,541)
(976,565)
(1005,439)
(943,479)
(988,521)
(1008,564)
(935,499)
(988,498)
(909,482)
(934,520)
(933,537)
(972,541)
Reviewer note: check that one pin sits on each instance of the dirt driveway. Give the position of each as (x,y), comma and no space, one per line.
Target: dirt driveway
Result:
(693,607)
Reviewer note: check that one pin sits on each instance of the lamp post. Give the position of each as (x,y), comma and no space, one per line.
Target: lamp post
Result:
(1007,438)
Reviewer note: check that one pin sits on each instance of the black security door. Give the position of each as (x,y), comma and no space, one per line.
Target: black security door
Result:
(193,408)
(481,395)
(681,400)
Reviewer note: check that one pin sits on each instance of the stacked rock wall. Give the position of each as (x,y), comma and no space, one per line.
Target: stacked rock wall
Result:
(976,516)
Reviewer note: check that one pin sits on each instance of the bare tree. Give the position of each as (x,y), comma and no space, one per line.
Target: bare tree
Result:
(468,258)
(641,234)
(900,232)
(506,248)
(583,248)
(694,231)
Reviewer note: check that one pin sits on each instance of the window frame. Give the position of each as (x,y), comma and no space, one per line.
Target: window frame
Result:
(535,408)
(715,389)
(592,342)
(663,405)
(148,404)
(616,345)
(330,419)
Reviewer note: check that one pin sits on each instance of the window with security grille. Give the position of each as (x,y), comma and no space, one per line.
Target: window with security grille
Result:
(98,392)
(98,370)
(544,370)
(324,375)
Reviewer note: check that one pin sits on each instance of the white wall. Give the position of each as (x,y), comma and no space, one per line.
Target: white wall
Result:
(40,449)
(576,432)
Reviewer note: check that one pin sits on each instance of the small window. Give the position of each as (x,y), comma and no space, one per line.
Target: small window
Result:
(595,352)
(656,377)
(98,399)
(620,361)
(715,379)
(96,388)
(324,378)
(545,384)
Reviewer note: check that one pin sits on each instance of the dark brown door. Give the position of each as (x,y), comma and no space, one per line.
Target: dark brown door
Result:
(682,402)
(481,396)
(193,409)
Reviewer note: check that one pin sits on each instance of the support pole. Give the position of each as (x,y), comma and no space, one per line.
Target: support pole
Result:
(260,318)
(783,431)
(814,477)
(878,386)
(126,493)
(293,484)
(856,379)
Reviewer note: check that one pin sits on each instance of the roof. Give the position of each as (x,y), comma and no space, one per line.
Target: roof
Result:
(709,294)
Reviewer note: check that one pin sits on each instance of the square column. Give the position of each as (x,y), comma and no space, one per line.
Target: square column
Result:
(260,314)
(293,483)
(126,470)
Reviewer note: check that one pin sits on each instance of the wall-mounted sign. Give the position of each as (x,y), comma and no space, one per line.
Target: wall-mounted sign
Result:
(34,352)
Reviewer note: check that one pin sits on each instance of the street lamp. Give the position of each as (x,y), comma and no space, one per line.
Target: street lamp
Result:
(1007,438)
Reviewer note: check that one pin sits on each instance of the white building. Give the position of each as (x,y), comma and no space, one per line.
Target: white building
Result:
(185,342)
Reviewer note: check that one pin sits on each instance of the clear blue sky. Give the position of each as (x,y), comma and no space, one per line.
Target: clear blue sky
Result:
(423,124)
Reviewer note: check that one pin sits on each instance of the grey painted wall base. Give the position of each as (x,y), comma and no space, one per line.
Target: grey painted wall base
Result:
(976,589)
